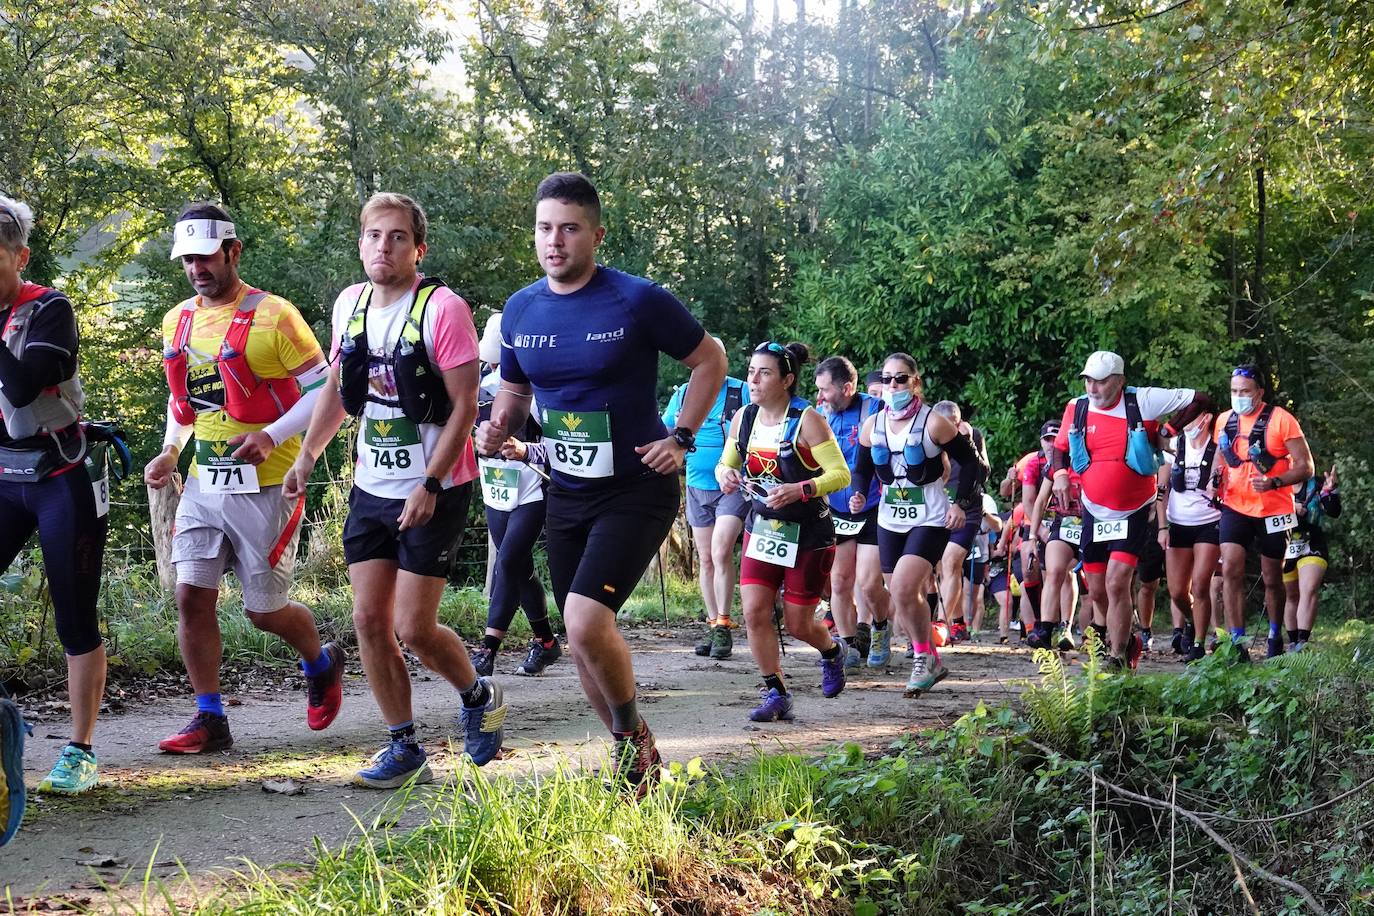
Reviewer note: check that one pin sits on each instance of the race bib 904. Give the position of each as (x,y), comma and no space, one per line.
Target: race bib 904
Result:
(1109,531)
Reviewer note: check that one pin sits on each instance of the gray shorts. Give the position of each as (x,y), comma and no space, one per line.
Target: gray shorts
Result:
(255,534)
(704,506)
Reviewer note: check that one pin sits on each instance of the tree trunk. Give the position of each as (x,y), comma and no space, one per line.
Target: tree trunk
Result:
(162,509)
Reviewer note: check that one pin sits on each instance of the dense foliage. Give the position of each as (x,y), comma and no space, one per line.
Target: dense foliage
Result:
(997,190)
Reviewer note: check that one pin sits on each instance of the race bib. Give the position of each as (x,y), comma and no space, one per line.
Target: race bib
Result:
(1071,531)
(220,472)
(579,442)
(500,487)
(1109,531)
(1297,548)
(848,527)
(904,502)
(774,541)
(1277,523)
(391,449)
(100,484)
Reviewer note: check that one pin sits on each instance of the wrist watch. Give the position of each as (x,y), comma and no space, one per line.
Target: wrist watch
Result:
(432,485)
(685,438)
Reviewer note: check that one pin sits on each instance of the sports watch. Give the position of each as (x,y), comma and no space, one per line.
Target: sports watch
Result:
(433,485)
(685,438)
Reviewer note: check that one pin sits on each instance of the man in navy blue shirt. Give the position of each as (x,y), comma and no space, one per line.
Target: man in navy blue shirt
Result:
(584,341)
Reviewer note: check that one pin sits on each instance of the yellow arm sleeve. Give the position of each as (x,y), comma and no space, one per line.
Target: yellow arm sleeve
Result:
(834,470)
(730,457)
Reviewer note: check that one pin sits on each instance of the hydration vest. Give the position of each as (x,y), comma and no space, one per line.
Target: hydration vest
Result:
(243,395)
(420,391)
(56,408)
(1141,455)
(791,468)
(1204,470)
(921,468)
(1258,452)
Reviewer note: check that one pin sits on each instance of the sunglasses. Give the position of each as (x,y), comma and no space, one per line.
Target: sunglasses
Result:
(754,489)
(901,379)
(778,350)
(1245,372)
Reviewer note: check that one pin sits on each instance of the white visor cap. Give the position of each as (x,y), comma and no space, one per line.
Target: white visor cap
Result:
(200,236)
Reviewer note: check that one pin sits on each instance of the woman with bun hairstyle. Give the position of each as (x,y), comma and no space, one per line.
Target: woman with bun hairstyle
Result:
(786,459)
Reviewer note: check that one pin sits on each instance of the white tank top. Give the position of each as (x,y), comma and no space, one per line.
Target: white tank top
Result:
(904,505)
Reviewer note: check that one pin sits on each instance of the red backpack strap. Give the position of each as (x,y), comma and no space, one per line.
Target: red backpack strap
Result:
(183,332)
(236,338)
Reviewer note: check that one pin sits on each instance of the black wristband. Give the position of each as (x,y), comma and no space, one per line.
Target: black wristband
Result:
(685,438)
(433,485)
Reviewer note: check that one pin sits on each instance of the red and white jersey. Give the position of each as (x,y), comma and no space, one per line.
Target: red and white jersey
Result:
(1111,490)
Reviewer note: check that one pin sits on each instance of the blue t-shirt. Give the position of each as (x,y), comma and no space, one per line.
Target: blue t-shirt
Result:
(701,464)
(591,357)
(845,424)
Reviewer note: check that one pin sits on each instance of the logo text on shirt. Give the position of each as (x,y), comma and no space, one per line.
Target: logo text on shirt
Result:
(617,334)
(535,341)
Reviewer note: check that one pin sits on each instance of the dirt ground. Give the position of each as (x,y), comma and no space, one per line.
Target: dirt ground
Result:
(159,814)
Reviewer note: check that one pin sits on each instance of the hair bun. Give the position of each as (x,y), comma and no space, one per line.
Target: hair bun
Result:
(801,354)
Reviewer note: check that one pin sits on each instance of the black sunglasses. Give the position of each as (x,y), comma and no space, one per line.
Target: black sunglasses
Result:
(901,379)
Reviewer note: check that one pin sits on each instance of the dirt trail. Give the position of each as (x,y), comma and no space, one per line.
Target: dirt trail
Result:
(208,814)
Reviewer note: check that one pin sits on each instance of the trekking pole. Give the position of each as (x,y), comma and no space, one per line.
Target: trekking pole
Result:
(662,587)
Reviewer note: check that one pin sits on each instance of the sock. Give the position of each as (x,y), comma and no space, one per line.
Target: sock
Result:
(926,648)
(476,695)
(625,719)
(1304,635)
(492,642)
(405,732)
(1237,633)
(866,628)
(1274,629)
(880,624)
(833,651)
(1294,635)
(319,666)
(774,682)
(543,630)
(79,746)
(211,703)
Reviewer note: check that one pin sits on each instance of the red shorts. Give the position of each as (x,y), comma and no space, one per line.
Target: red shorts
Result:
(803,584)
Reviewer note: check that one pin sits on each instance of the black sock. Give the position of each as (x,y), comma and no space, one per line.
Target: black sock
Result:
(1304,635)
(774,682)
(625,719)
(543,630)
(476,695)
(833,651)
(404,733)
(1293,635)
(880,624)
(79,746)
(865,627)
(492,642)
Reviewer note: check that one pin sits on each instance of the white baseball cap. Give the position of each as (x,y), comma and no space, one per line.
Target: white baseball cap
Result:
(489,347)
(1102,364)
(200,236)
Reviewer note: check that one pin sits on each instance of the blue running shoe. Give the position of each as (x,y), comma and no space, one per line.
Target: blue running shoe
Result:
(832,675)
(483,725)
(775,706)
(880,648)
(13,794)
(74,773)
(394,765)
(851,658)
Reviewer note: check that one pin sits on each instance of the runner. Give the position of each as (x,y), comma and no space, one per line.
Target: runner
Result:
(1265,454)
(916,515)
(513,496)
(404,361)
(1064,515)
(979,559)
(614,466)
(789,458)
(856,580)
(244,371)
(951,569)
(1192,516)
(1304,566)
(45,488)
(716,518)
(1109,437)
(1149,571)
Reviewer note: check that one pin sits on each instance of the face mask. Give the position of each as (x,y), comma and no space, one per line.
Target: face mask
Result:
(899,399)
(1242,404)
(1194,433)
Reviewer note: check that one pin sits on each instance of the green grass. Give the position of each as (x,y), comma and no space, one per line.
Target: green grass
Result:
(999,813)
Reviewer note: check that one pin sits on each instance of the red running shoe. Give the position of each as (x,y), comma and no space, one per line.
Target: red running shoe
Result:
(204,734)
(324,694)
(635,762)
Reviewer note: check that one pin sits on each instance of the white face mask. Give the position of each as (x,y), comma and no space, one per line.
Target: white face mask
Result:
(1194,433)
(899,399)
(1243,404)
